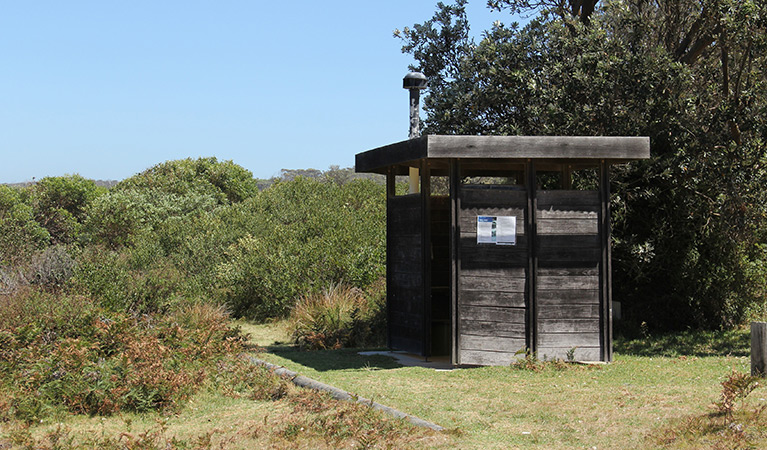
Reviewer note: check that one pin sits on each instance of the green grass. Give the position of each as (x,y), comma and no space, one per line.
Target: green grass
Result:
(653,384)
(686,343)
(659,393)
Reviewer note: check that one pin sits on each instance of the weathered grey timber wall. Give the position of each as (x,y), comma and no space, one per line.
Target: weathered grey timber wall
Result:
(568,252)
(551,292)
(492,282)
(405,307)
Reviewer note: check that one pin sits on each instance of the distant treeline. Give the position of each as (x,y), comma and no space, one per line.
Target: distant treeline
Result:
(99,183)
(334,173)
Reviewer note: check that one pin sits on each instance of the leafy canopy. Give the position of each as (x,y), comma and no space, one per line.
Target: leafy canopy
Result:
(689,225)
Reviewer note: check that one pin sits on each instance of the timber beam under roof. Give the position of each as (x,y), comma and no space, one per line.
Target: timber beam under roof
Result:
(585,151)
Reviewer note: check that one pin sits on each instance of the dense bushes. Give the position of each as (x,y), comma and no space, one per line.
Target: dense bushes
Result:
(225,181)
(67,352)
(311,235)
(174,189)
(113,300)
(195,230)
(59,204)
(20,234)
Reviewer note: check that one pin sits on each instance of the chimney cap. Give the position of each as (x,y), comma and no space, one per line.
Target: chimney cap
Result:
(415,80)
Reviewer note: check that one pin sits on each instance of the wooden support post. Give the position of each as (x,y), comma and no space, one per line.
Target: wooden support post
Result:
(759,349)
(531,335)
(567,177)
(455,243)
(605,266)
(426,254)
(390,193)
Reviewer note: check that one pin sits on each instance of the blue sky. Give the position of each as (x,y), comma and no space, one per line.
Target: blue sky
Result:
(107,89)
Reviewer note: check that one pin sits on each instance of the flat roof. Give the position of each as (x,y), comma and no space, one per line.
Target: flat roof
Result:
(554,149)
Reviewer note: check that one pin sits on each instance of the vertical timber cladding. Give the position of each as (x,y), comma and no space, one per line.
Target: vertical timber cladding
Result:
(405,301)
(491,281)
(568,276)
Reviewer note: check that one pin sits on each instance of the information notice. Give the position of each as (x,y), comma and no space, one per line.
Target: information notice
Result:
(498,230)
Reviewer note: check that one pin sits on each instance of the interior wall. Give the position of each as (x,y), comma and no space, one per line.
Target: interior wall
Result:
(405,273)
(441,336)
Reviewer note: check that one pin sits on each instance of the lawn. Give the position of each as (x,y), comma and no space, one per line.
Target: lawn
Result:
(659,393)
(654,387)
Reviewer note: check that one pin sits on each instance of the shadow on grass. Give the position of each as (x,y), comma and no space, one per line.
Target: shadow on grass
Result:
(342,359)
(685,343)
(682,343)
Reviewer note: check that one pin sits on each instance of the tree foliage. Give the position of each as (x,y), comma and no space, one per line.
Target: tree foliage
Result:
(689,224)
(20,234)
(310,235)
(59,205)
(192,231)
(226,181)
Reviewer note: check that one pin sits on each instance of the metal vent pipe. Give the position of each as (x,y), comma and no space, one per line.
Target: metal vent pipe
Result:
(414,82)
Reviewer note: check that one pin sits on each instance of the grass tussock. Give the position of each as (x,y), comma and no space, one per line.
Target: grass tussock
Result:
(340,316)
(529,361)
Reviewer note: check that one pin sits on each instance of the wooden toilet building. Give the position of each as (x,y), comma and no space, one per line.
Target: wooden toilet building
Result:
(500,251)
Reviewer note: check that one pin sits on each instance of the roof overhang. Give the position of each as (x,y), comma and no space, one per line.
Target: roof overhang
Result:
(491,150)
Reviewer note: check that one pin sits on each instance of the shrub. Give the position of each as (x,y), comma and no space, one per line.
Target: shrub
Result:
(196,244)
(71,193)
(60,203)
(11,279)
(116,218)
(114,279)
(31,315)
(311,234)
(51,268)
(736,387)
(340,316)
(225,181)
(66,352)
(20,234)
(104,275)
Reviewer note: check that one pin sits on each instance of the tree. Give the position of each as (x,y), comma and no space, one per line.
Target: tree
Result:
(580,9)
(20,234)
(173,189)
(688,224)
(224,180)
(59,204)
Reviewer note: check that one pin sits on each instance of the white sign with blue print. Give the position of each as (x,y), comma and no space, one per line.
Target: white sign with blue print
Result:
(498,230)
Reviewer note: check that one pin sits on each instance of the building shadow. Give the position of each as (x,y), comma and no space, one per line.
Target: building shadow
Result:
(341,359)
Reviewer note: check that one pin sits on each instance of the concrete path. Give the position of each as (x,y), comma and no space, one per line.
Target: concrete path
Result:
(412,360)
